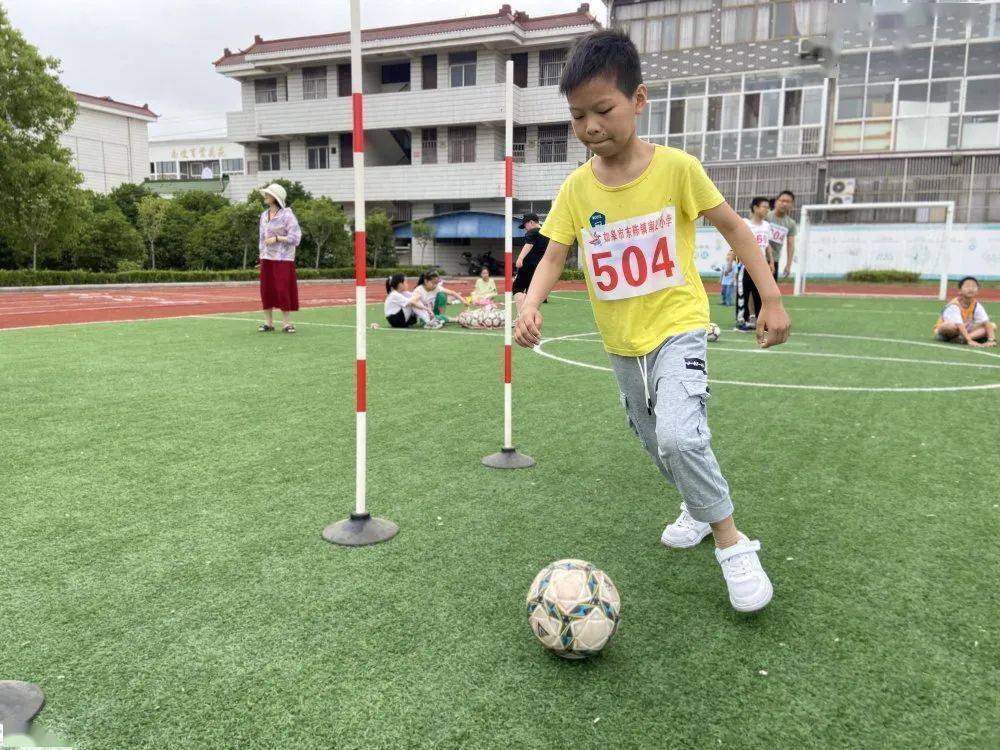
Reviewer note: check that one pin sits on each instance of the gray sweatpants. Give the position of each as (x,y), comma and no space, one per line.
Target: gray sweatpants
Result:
(664,395)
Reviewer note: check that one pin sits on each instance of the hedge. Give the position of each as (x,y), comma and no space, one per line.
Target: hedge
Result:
(869,275)
(60,278)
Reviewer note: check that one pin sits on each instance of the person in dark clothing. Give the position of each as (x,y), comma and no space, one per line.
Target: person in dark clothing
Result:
(527,261)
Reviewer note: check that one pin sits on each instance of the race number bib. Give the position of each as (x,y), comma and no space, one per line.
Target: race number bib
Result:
(633,257)
(779,233)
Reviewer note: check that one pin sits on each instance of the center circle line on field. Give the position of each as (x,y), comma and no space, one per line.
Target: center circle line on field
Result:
(538,349)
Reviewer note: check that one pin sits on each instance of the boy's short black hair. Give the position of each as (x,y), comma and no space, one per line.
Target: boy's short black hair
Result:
(603,54)
(789,193)
(968,278)
(758,200)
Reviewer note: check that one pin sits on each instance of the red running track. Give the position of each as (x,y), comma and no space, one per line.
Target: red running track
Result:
(27,308)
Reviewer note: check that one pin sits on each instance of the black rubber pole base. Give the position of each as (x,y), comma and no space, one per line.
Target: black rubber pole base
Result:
(20,702)
(508,458)
(359,530)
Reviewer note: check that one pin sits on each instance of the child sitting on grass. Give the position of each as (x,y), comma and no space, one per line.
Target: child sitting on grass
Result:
(485,289)
(430,299)
(964,319)
(398,304)
(632,208)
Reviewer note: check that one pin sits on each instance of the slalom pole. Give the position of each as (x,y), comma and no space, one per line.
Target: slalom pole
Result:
(360,528)
(508,457)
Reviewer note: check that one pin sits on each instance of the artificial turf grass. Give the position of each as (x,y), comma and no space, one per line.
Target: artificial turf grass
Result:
(191,556)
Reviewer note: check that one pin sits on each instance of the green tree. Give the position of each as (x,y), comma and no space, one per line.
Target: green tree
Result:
(201,202)
(246,224)
(174,247)
(35,108)
(214,242)
(151,217)
(106,238)
(380,243)
(43,206)
(127,197)
(423,235)
(295,192)
(323,221)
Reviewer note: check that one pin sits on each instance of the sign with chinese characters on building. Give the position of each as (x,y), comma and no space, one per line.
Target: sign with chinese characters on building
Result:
(197,153)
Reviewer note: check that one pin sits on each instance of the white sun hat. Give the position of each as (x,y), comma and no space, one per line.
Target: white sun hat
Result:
(277,192)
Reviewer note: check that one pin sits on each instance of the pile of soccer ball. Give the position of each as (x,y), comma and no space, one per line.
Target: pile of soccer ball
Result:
(482,317)
(573,608)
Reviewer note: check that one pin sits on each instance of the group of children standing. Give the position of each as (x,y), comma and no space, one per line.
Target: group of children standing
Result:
(772,229)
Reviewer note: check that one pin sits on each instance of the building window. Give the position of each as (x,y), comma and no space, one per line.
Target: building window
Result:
(166,169)
(750,116)
(232,166)
(346,150)
(665,26)
(270,157)
(550,66)
(520,143)
(429,72)
(429,143)
(541,208)
(344,80)
(314,82)
(744,21)
(461,145)
(396,76)
(450,208)
(318,152)
(520,60)
(913,100)
(552,143)
(462,68)
(265,90)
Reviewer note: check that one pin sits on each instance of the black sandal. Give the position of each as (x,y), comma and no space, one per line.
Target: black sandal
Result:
(264,328)
(288,329)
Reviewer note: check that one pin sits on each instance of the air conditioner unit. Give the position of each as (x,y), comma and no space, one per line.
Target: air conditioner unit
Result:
(840,190)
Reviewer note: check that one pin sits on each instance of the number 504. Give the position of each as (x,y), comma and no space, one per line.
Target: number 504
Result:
(635,266)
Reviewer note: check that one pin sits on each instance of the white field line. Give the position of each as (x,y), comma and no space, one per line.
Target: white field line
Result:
(794,386)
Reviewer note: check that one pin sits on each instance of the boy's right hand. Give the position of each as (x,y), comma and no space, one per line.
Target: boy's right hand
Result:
(528,332)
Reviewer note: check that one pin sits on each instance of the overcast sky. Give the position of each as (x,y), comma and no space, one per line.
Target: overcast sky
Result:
(161,52)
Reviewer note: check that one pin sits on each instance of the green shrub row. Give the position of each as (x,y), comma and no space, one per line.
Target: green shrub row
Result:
(872,276)
(61,278)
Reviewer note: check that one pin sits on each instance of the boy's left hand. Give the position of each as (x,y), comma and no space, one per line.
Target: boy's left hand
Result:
(772,325)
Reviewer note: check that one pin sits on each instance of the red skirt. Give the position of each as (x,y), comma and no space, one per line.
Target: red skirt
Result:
(278,285)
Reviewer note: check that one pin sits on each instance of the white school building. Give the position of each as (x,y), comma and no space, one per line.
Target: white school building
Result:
(434,121)
(109,141)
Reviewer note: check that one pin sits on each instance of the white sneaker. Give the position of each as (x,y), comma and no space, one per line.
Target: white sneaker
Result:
(685,532)
(749,587)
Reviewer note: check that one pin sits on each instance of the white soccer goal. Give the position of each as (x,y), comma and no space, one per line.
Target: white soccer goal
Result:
(835,239)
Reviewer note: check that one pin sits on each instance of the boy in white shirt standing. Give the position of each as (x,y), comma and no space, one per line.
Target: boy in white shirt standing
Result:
(747,295)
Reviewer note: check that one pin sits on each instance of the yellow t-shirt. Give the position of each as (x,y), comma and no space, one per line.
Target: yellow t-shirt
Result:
(638,246)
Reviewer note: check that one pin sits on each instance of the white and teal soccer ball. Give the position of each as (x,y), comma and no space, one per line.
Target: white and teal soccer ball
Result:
(573,608)
(713,331)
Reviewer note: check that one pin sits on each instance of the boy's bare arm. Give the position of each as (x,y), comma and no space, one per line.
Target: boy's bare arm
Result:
(528,332)
(772,322)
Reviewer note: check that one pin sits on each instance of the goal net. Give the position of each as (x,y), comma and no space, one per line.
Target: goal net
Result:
(835,240)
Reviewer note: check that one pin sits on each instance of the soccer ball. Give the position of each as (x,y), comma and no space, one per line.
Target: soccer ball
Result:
(713,331)
(573,608)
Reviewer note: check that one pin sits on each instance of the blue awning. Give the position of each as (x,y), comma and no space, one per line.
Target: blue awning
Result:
(463,225)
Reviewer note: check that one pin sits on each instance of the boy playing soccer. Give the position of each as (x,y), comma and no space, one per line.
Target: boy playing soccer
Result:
(632,208)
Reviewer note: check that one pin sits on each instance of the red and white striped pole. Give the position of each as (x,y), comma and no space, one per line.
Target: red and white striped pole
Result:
(508,457)
(360,528)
